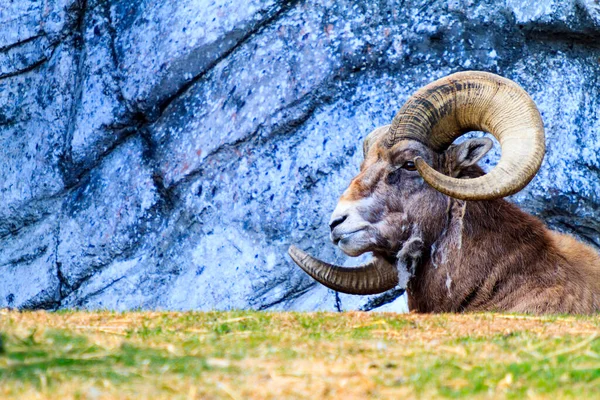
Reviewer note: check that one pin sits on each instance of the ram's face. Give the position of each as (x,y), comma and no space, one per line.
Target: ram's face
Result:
(387,202)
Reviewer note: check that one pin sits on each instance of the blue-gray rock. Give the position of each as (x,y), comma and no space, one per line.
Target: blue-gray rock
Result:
(164,155)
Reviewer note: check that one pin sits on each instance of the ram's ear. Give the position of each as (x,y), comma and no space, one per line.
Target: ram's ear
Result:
(468,153)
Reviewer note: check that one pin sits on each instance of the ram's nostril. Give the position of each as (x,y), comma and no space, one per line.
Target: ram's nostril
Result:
(337,221)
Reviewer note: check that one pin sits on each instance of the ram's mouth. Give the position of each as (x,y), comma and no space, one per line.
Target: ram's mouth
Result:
(336,237)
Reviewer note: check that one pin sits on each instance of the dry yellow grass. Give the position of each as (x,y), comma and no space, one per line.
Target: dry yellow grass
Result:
(240,355)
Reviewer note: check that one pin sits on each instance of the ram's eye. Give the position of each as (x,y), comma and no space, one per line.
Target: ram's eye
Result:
(409,166)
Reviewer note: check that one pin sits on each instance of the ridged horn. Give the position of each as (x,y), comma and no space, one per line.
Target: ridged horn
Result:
(376,276)
(440,112)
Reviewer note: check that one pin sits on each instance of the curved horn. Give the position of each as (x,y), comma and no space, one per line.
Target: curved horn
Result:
(442,111)
(376,276)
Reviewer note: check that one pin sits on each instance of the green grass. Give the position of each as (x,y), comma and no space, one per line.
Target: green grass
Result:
(297,355)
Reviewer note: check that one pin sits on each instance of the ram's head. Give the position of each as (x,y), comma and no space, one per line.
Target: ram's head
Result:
(397,204)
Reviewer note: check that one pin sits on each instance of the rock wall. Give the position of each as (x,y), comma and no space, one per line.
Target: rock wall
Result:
(165,154)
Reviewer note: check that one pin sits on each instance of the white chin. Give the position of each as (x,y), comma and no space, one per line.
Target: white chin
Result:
(355,245)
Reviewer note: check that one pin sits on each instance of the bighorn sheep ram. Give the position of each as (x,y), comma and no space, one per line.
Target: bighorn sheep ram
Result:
(437,225)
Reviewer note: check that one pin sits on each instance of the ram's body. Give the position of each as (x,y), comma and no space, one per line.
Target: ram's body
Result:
(437,225)
(507,260)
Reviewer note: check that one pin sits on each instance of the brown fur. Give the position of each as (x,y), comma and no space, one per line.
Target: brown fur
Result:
(477,255)
(508,261)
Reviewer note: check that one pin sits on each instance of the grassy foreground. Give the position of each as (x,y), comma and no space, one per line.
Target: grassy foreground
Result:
(239,355)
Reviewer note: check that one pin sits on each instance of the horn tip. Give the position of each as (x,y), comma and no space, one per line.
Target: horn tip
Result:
(295,254)
(421,164)
(292,249)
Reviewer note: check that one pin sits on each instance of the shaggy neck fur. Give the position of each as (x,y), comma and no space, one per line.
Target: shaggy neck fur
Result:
(493,256)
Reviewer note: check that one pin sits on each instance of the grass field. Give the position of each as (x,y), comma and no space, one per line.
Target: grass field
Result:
(239,355)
